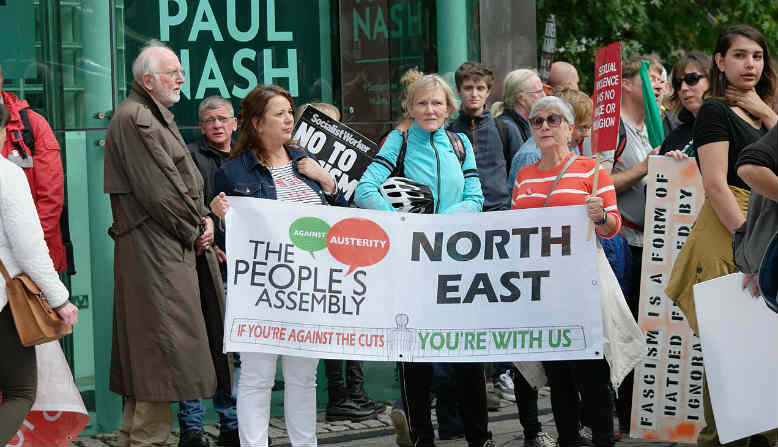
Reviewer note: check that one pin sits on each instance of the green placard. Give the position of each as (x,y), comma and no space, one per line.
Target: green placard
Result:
(17,19)
(227,47)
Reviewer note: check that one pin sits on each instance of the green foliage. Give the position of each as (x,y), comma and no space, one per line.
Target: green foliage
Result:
(668,28)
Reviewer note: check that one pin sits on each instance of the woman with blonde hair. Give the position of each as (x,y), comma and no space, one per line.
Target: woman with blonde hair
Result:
(430,171)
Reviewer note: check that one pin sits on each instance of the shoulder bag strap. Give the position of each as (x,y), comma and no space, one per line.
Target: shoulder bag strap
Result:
(559,177)
(5,272)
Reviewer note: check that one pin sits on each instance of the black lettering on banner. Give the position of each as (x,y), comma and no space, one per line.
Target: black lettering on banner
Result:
(453,250)
(547,241)
(524,235)
(444,289)
(434,251)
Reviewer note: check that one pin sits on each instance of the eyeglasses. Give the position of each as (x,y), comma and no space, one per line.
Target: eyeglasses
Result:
(173,73)
(553,120)
(212,120)
(691,79)
(535,92)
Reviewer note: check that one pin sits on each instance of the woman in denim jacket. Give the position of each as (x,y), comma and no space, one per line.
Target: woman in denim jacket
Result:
(266,164)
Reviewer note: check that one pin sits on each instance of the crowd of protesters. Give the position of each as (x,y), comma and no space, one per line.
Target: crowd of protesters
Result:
(530,149)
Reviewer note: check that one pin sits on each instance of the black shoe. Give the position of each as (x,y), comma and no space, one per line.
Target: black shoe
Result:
(364,401)
(193,438)
(228,438)
(348,410)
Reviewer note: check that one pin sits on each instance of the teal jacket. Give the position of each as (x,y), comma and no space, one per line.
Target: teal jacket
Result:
(429,159)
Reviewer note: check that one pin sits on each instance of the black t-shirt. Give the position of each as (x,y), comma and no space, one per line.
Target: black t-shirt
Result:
(762,153)
(717,122)
(680,139)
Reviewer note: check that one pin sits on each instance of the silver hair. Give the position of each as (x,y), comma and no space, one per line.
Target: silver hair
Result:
(145,62)
(515,82)
(214,102)
(554,102)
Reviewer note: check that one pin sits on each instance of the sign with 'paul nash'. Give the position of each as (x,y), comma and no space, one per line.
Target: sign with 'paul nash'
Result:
(227,47)
(347,283)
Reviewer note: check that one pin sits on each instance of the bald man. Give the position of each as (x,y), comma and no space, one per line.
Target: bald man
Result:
(563,74)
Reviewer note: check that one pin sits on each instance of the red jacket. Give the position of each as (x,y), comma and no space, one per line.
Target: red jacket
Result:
(46,177)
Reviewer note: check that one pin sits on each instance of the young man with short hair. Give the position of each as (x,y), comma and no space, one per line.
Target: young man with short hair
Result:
(489,138)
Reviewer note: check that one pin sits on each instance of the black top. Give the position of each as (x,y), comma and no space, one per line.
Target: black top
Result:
(762,153)
(680,139)
(717,122)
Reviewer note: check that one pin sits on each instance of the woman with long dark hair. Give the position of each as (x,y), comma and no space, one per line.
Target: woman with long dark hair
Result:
(267,164)
(690,84)
(741,108)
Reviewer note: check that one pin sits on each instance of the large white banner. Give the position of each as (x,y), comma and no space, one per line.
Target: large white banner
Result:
(347,283)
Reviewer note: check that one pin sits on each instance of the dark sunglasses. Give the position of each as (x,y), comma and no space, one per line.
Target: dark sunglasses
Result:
(554,120)
(691,79)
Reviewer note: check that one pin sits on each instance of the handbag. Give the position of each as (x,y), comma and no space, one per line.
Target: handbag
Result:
(35,320)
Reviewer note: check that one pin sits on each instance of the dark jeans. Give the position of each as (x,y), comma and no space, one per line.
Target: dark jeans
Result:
(624,399)
(527,403)
(18,378)
(590,378)
(191,413)
(444,388)
(470,383)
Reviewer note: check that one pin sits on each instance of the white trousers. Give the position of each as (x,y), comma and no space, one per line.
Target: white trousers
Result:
(257,375)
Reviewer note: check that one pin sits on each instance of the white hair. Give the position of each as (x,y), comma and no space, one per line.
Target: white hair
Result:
(146,62)
(551,103)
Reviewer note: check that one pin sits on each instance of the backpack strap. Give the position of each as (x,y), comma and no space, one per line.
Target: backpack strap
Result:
(622,142)
(456,143)
(27,135)
(502,129)
(399,164)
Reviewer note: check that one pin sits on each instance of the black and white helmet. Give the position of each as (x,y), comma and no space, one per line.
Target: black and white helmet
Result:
(407,196)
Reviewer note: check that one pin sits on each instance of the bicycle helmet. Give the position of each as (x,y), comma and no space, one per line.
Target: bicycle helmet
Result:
(407,196)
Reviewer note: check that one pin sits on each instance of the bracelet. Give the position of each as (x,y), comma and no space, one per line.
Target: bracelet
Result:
(604,219)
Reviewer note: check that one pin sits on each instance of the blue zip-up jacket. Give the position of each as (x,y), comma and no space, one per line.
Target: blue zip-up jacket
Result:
(246,176)
(489,155)
(429,159)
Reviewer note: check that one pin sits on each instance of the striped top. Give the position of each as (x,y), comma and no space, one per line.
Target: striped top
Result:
(291,188)
(532,184)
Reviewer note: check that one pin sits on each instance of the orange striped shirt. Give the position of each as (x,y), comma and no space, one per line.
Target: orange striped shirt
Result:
(532,185)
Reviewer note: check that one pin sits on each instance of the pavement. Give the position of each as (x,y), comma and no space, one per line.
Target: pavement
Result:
(504,425)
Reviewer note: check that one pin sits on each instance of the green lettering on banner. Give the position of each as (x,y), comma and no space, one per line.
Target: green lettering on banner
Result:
(232,25)
(205,12)
(166,20)
(211,78)
(218,41)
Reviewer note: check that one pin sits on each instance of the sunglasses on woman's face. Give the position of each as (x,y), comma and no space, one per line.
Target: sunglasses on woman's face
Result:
(691,79)
(553,120)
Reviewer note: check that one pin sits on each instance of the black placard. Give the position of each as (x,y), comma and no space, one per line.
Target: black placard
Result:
(344,152)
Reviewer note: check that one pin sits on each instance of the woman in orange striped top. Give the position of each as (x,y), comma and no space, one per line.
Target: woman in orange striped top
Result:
(552,122)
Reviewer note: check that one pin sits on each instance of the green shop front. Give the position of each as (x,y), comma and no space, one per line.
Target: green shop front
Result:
(71,60)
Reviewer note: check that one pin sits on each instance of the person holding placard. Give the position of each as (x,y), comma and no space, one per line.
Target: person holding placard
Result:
(266,164)
(443,166)
(562,178)
(741,109)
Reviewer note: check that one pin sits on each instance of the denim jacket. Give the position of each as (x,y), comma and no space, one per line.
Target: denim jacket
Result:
(246,176)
